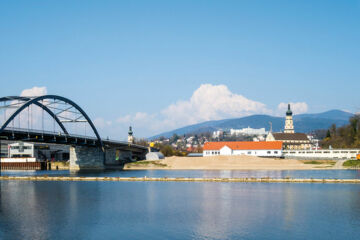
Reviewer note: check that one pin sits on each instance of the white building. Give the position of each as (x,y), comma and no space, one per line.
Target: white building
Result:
(261,149)
(335,154)
(248,131)
(21,150)
(218,134)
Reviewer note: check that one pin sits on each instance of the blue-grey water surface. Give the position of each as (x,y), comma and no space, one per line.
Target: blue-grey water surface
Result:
(180,210)
(333,174)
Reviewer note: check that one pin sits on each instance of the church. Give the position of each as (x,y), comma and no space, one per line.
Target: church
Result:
(290,139)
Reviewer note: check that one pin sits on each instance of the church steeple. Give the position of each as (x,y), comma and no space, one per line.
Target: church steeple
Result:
(289,124)
(130,135)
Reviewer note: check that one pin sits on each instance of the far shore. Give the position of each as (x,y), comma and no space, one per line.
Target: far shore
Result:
(231,163)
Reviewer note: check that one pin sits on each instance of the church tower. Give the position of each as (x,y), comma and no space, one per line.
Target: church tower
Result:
(289,125)
(130,135)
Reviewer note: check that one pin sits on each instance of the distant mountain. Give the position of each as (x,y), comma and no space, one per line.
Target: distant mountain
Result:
(302,123)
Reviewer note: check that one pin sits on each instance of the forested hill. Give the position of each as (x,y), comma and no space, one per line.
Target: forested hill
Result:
(347,136)
(303,123)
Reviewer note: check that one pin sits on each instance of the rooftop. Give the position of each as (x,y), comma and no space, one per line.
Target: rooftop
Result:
(290,136)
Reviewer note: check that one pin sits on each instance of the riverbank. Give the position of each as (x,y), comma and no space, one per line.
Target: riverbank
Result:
(228,163)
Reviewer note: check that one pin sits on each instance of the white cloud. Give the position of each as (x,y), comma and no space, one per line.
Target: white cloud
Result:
(101,123)
(208,102)
(296,108)
(139,117)
(211,102)
(35,91)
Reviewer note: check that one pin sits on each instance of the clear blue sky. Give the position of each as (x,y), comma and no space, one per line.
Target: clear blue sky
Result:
(116,58)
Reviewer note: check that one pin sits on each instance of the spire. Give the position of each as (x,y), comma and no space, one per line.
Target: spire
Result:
(289,112)
(130,131)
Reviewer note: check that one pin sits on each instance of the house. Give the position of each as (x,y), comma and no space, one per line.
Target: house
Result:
(261,149)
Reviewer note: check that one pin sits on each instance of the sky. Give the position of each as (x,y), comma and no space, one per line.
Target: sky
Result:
(160,65)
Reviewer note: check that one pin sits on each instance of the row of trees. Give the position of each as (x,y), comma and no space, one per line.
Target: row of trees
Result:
(347,136)
(165,149)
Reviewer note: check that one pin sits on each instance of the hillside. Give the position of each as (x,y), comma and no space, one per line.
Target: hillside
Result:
(302,122)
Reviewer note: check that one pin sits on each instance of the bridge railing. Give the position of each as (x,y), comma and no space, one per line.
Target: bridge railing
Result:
(61,134)
(40,132)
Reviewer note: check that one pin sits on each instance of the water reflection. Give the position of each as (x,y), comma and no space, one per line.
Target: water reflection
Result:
(170,210)
(215,216)
(34,210)
(339,174)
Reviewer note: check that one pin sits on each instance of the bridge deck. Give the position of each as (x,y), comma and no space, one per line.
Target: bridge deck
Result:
(14,134)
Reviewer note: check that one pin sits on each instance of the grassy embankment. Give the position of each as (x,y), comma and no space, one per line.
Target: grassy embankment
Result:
(327,162)
(352,163)
(145,163)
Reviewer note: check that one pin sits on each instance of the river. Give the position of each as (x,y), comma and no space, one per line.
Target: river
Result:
(180,210)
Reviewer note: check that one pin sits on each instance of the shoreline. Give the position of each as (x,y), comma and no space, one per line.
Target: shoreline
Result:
(232,163)
(237,169)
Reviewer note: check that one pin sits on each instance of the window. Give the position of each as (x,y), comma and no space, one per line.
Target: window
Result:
(276,152)
(249,152)
(268,152)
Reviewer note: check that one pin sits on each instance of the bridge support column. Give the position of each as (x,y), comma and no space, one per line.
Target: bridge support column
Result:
(118,157)
(86,158)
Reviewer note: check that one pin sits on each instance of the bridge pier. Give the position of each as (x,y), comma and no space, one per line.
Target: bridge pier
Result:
(115,157)
(86,158)
(92,158)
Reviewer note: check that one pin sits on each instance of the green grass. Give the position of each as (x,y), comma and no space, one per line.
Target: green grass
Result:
(147,163)
(320,162)
(352,163)
(313,162)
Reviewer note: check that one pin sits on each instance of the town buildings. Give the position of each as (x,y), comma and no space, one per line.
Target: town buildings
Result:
(290,139)
(248,131)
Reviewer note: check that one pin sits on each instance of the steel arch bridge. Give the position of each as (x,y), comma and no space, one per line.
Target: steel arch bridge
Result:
(61,111)
(51,104)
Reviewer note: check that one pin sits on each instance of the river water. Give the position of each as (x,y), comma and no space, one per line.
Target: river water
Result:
(181,210)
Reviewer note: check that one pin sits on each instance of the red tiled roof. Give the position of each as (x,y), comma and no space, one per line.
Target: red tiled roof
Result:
(244,145)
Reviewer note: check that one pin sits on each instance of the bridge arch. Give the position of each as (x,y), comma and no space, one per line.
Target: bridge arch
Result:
(36,101)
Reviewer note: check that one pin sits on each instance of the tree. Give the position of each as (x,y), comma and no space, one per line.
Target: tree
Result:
(167,150)
(142,142)
(347,136)
(328,134)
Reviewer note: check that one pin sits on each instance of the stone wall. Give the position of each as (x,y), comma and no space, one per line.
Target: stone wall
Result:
(93,157)
(86,158)
(123,157)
